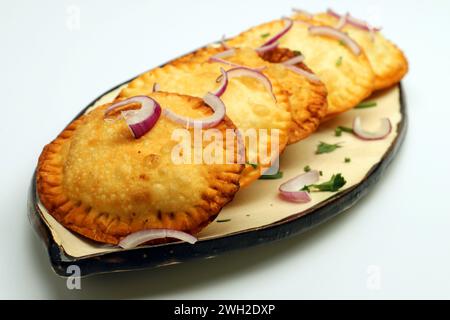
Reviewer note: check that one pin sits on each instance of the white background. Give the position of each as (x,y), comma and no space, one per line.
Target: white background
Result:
(49,71)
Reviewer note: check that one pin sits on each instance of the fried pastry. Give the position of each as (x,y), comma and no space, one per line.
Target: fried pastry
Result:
(347,76)
(388,62)
(96,179)
(249,104)
(307,99)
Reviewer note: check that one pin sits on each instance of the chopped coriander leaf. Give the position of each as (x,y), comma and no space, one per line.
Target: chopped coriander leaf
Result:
(365,105)
(339,62)
(348,160)
(307,168)
(324,147)
(265,35)
(320,173)
(336,182)
(342,43)
(346,129)
(224,220)
(254,165)
(278,175)
(338,131)
(297,53)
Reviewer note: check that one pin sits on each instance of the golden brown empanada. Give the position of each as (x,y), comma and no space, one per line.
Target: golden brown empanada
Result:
(248,104)
(348,78)
(307,99)
(100,182)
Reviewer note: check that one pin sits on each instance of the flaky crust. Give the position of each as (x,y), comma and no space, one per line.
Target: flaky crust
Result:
(347,84)
(249,105)
(307,99)
(98,181)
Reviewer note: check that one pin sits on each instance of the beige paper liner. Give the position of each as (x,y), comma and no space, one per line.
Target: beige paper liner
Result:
(259,205)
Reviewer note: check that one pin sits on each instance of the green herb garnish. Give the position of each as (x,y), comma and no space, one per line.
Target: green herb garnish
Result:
(339,62)
(265,35)
(278,175)
(348,160)
(321,173)
(365,105)
(342,43)
(338,131)
(254,165)
(307,168)
(324,147)
(297,53)
(224,220)
(336,182)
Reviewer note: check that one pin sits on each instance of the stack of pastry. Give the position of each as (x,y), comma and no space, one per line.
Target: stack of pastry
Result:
(111,176)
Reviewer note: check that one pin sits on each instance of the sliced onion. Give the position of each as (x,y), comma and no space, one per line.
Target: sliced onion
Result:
(142,120)
(258,75)
(156,87)
(292,189)
(302,12)
(332,32)
(221,56)
(137,238)
(297,59)
(224,44)
(310,76)
(353,21)
(267,48)
(211,100)
(342,21)
(287,26)
(383,131)
(223,83)
(297,196)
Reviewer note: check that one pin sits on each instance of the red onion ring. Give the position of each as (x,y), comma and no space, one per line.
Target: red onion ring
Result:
(258,75)
(295,60)
(223,43)
(302,12)
(211,100)
(310,76)
(267,48)
(384,130)
(292,189)
(332,32)
(223,83)
(137,238)
(342,21)
(288,25)
(353,21)
(142,120)
(224,54)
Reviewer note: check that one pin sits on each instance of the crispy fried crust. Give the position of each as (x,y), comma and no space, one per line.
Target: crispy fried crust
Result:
(347,83)
(387,60)
(249,104)
(98,181)
(307,99)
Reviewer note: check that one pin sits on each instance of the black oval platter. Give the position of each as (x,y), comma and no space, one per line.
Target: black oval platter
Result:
(157,256)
